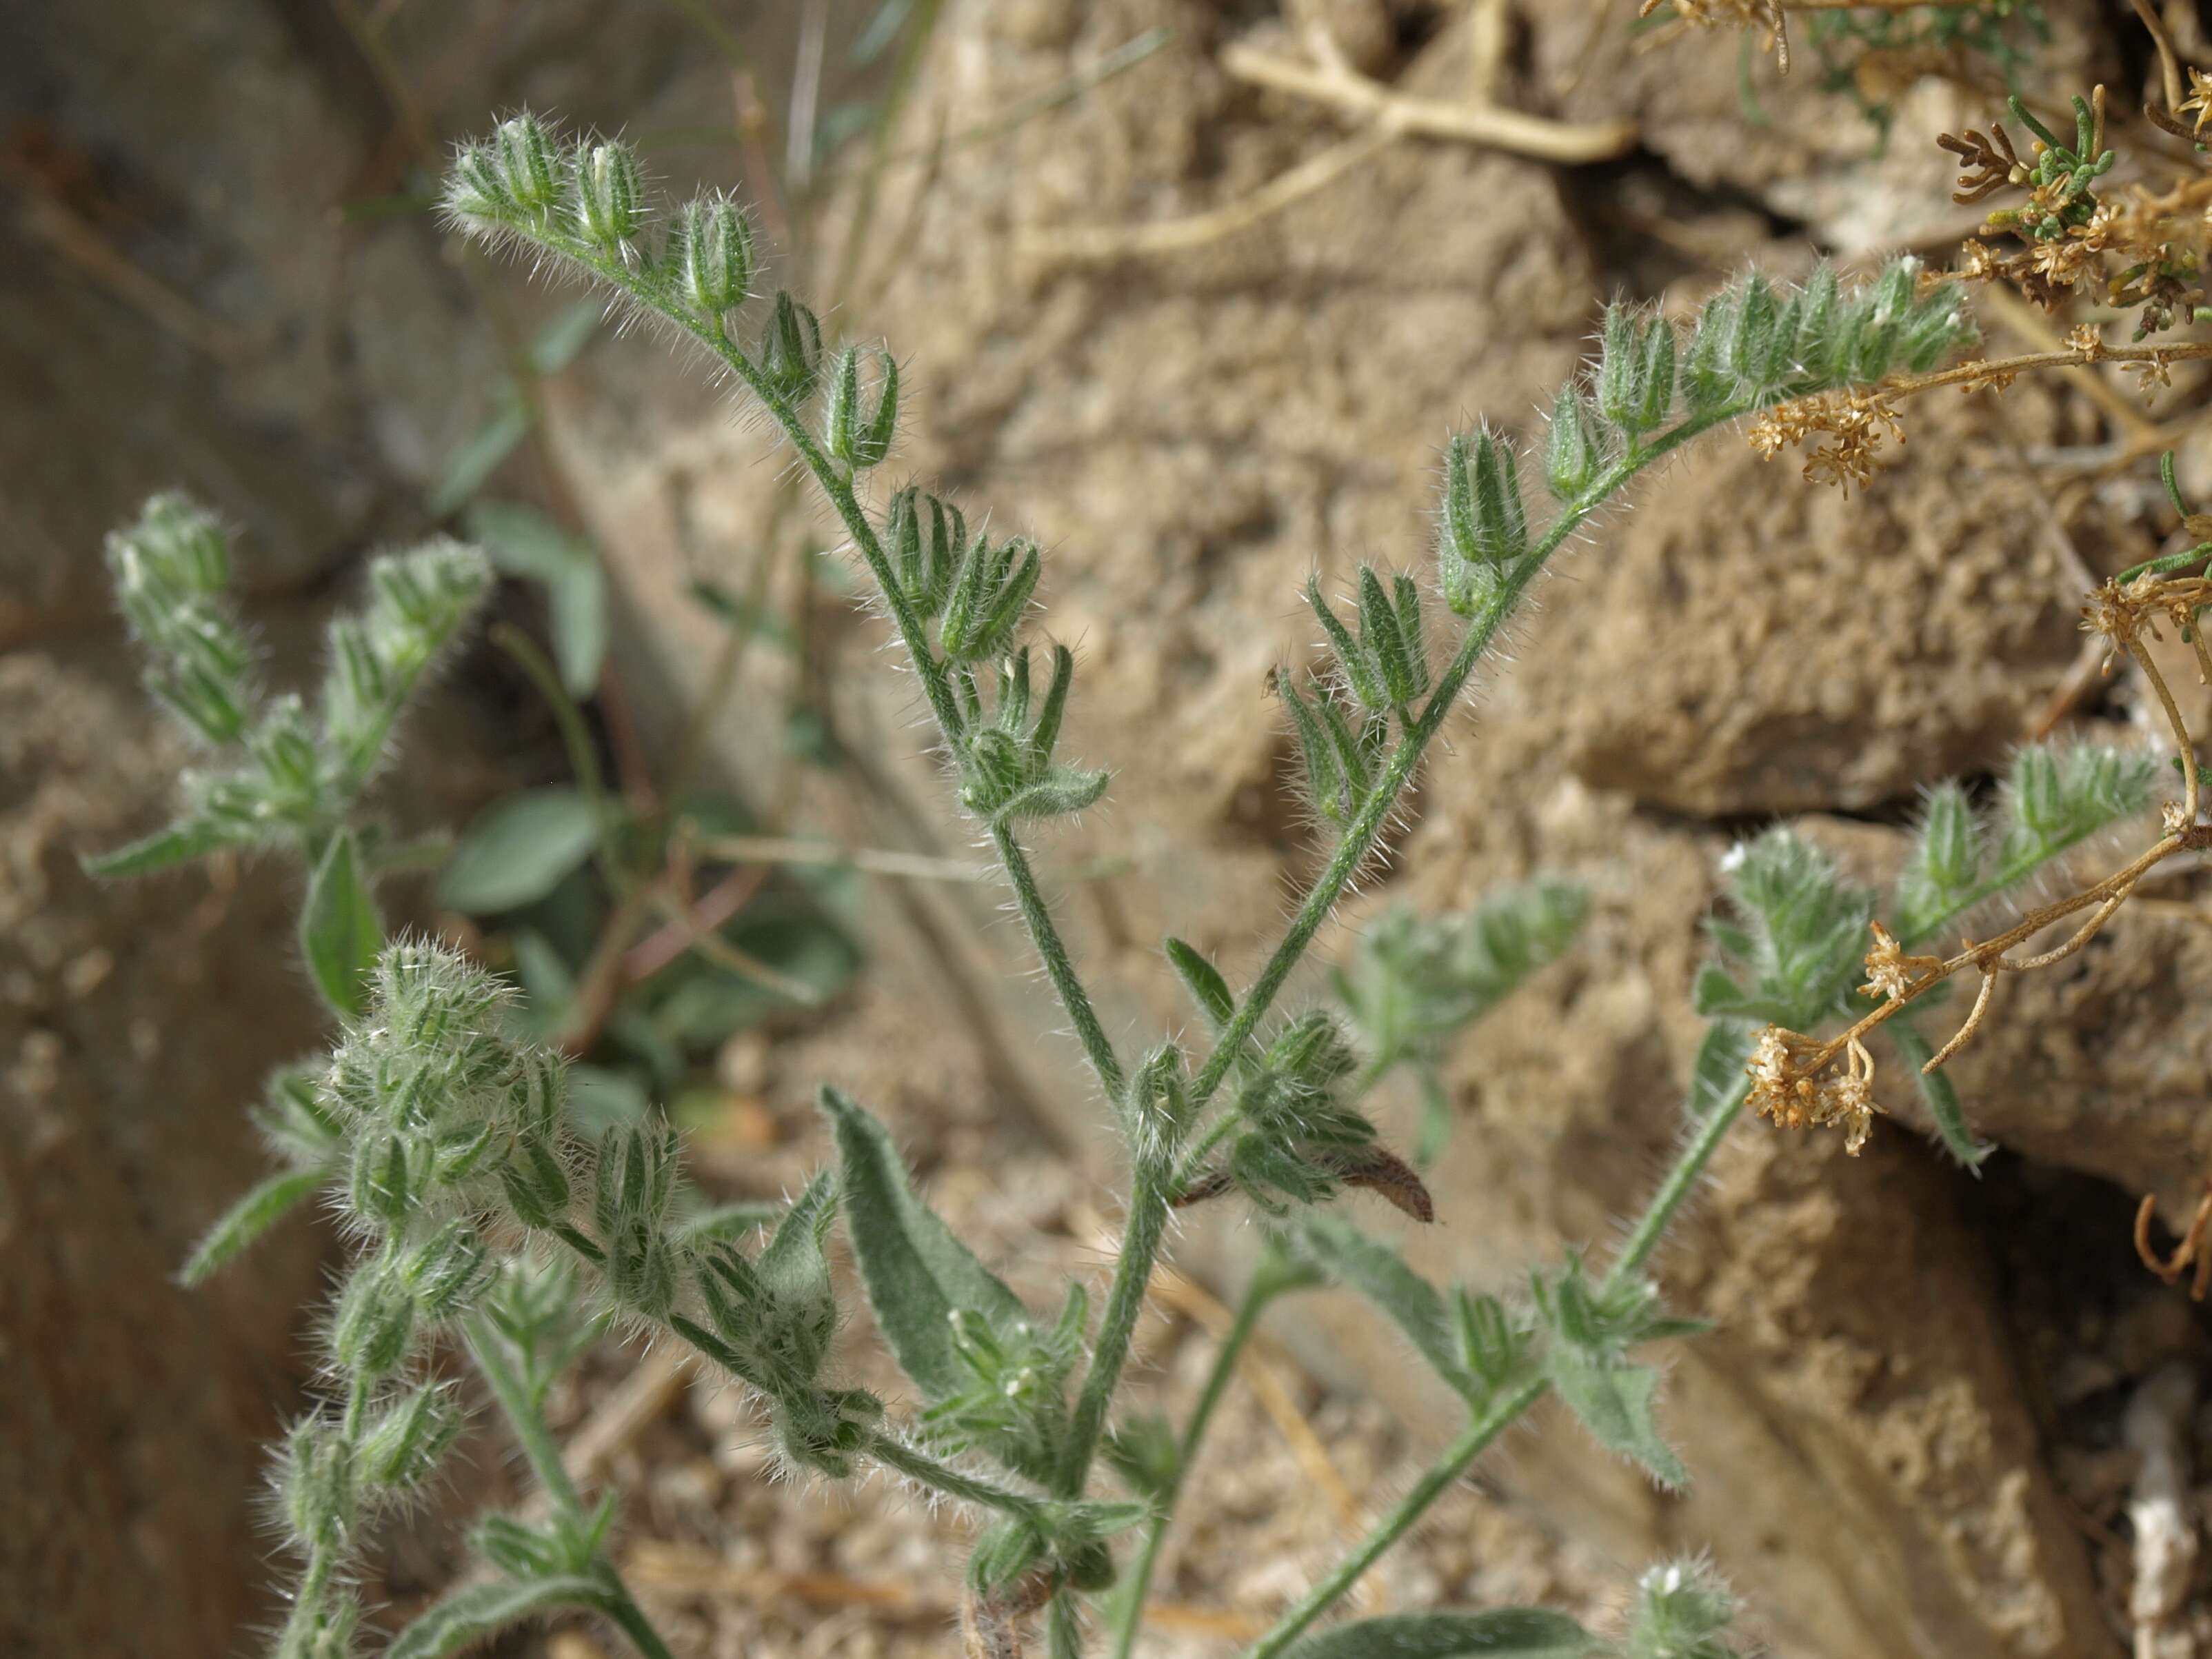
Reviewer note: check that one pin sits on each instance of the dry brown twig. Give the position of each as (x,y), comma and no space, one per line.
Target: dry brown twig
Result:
(2190,1252)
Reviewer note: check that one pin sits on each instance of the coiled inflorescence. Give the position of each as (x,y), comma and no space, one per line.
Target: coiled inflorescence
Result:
(281,772)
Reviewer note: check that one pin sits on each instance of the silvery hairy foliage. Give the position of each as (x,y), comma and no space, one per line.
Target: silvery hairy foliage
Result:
(479,1217)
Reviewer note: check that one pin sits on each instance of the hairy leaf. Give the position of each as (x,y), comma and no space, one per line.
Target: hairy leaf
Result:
(340,933)
(917,1271)
(179,843)
(254,1215)
(1613,1399)
(1353,1259)
(1717,1074)
(518,851)
(478,1611)
(1208,989)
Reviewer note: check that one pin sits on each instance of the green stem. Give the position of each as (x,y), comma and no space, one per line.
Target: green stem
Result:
(1125,1305)
(1359,837)
(543,1453)
(921,1467)
(1263,1289)
(1058,966)
(630,1619)
(838,488)
(539,1448)
(1679,1182)
(1473,1442)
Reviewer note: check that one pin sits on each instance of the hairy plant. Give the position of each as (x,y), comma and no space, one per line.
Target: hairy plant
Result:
(438,1130)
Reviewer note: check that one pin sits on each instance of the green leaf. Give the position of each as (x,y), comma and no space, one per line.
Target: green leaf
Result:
(559,342)
(1938,1094)
(1613,1399)
(248,1220)
(180,843)
(525,543)
(916,1271)
(477,459)
(478,1611)
(1500,1634)
(1717,1075)
(518,851)
(339,931)
(1203,981)
(1353,1259)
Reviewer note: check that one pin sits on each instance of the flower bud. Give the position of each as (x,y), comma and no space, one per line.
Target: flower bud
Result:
(404,1442)
(1620,367)
(1486,522)
(854,435)
(791,349)
(524,152)
(926,537)
(375,1323)
(391,1174)
(608,192)
(316,1483)
(536,1183)
(1572,458)
(716,268)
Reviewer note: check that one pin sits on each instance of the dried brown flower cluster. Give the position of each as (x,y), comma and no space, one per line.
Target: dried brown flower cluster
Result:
(1765,15)
(1854,423)
(2054,238)
(1799,1081)
(1794,1084)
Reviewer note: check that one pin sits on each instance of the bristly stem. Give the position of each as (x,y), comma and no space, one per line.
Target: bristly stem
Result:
(1125,1306)
(1359,837)
(1129,1618)
(1675,1186)
(1438,1480)
(924,1470)
(543,1453)
(1058,965)
(539,1449)
(1666,1201)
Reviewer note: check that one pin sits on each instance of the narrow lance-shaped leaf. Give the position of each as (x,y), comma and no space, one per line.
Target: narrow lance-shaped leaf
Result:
(1717,1075)
(254,1215)
(1207,988)
(479,1611)
(339,931)
(1938,1094)
(1379,1273)
(917,1271)
(180,843)
(1498,1633)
